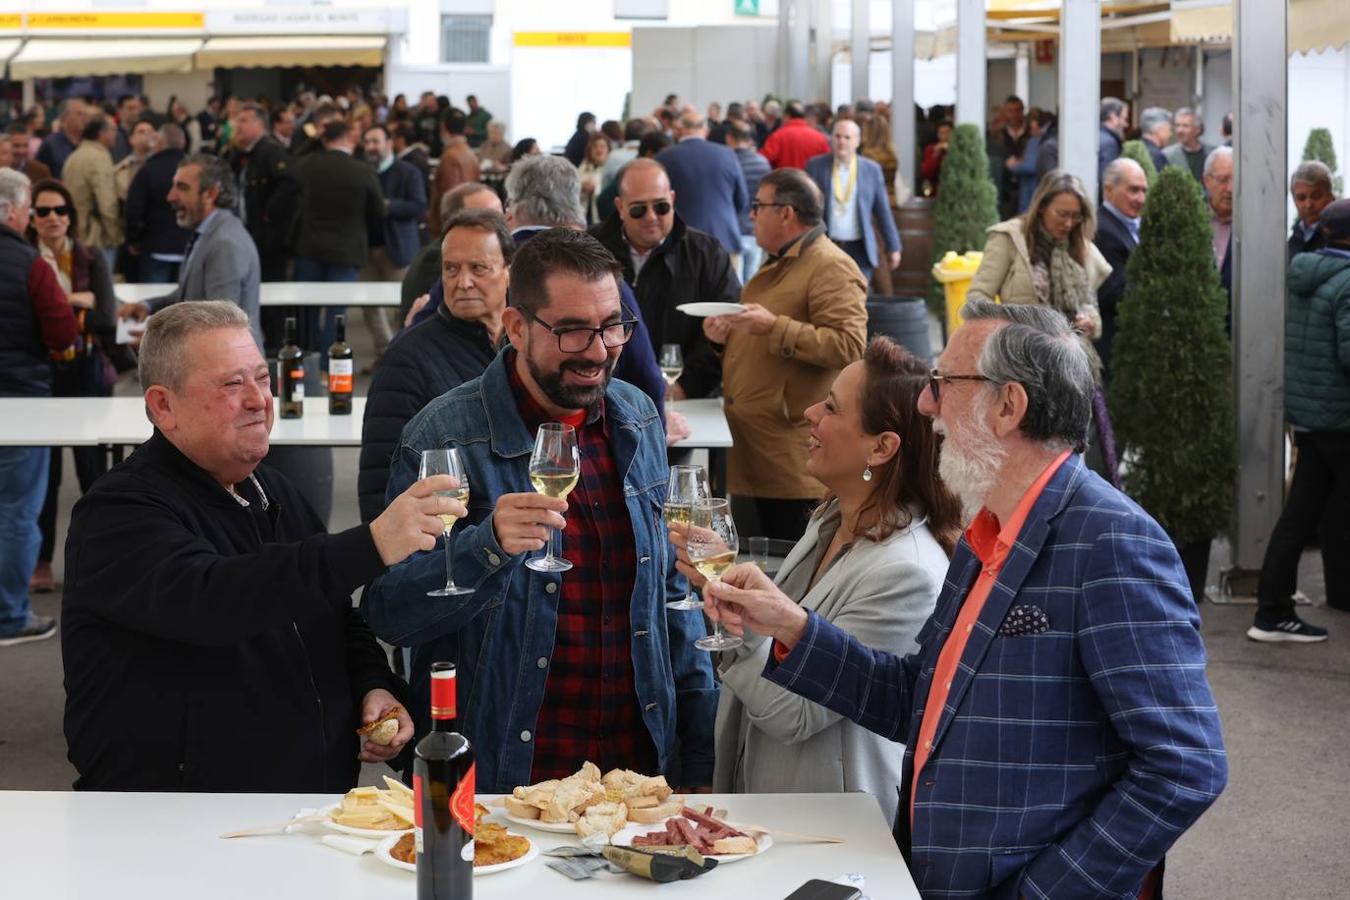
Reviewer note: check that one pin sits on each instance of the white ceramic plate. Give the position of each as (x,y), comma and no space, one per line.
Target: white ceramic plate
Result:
(537,825)
(710,308)
(625,839)
(382,853)
(359,832)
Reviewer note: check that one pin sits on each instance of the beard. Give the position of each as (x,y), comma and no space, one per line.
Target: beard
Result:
(568,396)
(970,460)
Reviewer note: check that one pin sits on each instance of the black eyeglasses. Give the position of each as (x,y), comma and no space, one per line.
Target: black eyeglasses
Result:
(578,340)
(936,379)
(756,206)
(43,212)
(638,210)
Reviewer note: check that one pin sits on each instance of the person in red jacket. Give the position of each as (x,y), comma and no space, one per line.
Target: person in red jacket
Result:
(795,141)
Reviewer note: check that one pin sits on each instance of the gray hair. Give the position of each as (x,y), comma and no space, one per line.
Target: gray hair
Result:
(796,190)
(15,191)
(1314,173)
(1115,172)
(1215,155)
(213,172)
(162,357)
(1111,106)
(1185,111)
(545,190)
(1039,350)
(171,136)
(1152,117)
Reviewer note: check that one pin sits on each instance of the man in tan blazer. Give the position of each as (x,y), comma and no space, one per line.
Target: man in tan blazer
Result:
(458,164)
(805,319)
(88,173)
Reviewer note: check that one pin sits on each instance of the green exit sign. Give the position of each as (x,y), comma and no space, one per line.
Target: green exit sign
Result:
(747,7)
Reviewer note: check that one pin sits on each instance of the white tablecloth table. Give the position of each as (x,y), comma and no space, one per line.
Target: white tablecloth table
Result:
(143,846)
(291,293)
(707,423)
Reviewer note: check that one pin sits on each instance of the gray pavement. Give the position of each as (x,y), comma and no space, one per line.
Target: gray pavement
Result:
(1277,831)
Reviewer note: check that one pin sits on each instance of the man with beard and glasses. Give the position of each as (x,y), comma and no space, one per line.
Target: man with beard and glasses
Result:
(1060,734)
(554,671)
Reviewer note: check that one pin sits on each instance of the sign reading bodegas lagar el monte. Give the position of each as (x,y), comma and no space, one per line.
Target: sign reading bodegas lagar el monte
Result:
(308,20)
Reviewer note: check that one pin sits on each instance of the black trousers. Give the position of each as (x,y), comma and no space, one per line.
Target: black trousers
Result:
(858,250)
(784,519)
(90,463)
(1321,483)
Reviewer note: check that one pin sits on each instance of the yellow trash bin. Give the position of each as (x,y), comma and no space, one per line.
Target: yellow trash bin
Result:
(955,272)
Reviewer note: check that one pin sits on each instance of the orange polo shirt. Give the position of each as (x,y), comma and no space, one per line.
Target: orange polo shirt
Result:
(991,544)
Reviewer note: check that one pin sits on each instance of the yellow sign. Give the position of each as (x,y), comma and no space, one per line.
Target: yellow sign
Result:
(11,21)
(140,21)
(574,39)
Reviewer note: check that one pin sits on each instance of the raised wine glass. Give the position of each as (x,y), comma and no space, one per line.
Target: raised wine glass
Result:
(446,461)
(555,466)
(672,364)
(712,549)
(687,484)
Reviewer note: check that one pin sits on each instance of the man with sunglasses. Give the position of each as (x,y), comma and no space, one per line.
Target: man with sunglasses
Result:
(555,670)
(666,262)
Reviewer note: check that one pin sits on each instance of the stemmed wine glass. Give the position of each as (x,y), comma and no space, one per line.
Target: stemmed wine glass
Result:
(446,461)
(672,364)
(687,484)
(555,466)
(712,549)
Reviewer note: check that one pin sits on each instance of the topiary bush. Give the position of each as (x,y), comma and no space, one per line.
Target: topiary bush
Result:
(967,203)
(1136,151)
(1321,148)
(1171,390)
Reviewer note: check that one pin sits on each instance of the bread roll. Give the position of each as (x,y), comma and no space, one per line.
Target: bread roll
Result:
(609,818)
(520,809)
(651,815)
(734,846)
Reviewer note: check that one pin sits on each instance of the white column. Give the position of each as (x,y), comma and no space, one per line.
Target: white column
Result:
(860,48)
(902,89)
(1260,136)
(799,62)
(971,103)
(1080,67)
(1198,102)
(783,73)
(1022,73)
(821,82)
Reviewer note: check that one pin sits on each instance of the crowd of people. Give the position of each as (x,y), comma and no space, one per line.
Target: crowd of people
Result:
(961,582)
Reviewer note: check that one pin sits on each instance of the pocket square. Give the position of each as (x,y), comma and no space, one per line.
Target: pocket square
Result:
(1024,619)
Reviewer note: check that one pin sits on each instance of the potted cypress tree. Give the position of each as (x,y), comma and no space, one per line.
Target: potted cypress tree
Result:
(1171,391)
(1136,151)
(1321,148)
(967,203)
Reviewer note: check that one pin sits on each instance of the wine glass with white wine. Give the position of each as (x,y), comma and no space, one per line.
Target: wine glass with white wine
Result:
(446,461)
(555,466)
(672,364)
(712,549)
(687,484)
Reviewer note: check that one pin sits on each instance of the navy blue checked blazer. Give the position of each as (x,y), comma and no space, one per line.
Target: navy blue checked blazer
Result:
(1066,762)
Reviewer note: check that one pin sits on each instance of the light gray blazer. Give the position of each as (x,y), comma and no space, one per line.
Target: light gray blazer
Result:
(769,739)
(223,265)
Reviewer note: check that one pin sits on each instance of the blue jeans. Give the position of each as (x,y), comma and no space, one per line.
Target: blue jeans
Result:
(157,271)
(23,485)
(752,255)
(321,322)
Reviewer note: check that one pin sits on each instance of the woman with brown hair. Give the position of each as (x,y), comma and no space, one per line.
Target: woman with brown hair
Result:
(872,561)
(591,168)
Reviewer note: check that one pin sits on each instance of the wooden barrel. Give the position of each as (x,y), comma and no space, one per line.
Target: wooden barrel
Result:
(915,220)
(903,320)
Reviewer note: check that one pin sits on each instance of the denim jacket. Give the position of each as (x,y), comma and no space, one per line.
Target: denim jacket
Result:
(501,635)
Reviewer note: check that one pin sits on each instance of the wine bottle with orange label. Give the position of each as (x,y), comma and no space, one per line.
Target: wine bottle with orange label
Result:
(443,788)
(291,375)
(340,372)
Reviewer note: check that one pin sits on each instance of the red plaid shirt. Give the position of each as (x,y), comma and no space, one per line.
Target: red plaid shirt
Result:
(590,709)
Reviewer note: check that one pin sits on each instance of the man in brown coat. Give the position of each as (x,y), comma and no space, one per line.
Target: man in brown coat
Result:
(458,163)
(88,173)
(805,319)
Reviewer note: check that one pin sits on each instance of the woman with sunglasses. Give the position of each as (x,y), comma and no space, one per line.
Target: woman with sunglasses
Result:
(872,561)
(85,277)
(1046,255)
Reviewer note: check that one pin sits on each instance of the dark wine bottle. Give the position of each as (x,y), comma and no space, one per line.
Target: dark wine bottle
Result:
(443,785)
(291,375)
(340,372)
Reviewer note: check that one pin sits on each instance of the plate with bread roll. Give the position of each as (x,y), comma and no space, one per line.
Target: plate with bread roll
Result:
(586,802)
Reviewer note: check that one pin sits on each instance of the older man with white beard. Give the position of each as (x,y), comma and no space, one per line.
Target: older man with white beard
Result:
(1059,731)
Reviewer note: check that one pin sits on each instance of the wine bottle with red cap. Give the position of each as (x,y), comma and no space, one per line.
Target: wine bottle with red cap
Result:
(443,784)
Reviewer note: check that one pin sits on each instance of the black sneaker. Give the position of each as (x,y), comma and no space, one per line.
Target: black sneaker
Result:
(38,628)
(1292,630)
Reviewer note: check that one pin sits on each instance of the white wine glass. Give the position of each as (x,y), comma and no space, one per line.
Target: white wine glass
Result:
(672,364)
(713,546)
(446,461)
(555,466)
(687,484)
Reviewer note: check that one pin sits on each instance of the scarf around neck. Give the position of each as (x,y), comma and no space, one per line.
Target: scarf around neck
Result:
(1057,277)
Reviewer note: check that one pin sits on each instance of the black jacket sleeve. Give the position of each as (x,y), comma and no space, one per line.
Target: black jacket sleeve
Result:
(367,665)
(396,395)
(133,214)
(718,281)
